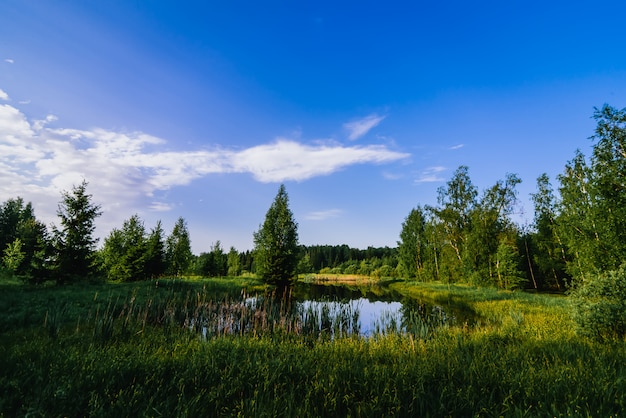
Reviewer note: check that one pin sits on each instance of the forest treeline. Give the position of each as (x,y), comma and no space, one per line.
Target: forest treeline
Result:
(578,231)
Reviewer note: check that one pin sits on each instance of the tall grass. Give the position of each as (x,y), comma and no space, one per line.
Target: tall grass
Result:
(517,360)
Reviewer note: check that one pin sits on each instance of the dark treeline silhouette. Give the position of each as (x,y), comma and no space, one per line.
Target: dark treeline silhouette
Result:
(342,259)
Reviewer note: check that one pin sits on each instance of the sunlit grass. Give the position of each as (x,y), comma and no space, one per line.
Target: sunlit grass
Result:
(521,358)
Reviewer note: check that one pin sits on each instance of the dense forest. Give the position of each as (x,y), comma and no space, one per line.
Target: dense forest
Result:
(468,237)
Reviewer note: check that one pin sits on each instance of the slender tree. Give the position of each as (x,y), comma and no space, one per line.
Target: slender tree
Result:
(74,243)
(608,166)
(155,252)
(178,249)
(490,228)
(276,242)
(549,256)
(413,243)
(578,219)
(456,204)
(233,262)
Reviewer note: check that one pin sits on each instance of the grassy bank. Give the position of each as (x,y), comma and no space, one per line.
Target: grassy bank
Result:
(520,359)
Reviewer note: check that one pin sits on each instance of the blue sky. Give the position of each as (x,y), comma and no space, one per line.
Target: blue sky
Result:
(362,109)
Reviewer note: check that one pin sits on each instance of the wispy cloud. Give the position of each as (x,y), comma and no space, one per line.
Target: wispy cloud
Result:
(431,175)
(392,176)
(358,128)
(289,160)
(3,95)
(323,215)
(37,161)
(458,146)
(9,60)
(160,207)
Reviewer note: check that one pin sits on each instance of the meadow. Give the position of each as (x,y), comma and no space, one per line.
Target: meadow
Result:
(134,349)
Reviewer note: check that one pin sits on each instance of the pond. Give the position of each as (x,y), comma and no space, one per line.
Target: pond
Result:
(323,311)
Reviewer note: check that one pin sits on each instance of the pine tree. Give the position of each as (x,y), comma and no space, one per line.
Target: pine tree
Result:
(155,252)
(276,242)
(74,243)
(178,249)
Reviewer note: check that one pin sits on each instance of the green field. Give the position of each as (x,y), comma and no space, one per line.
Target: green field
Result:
(123,350)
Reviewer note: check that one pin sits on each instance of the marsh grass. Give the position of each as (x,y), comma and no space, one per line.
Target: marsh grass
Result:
(520,359)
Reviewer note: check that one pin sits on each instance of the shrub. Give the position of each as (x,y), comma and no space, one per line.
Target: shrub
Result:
(600,305)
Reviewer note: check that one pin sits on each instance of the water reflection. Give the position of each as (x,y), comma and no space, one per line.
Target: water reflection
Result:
(321,312)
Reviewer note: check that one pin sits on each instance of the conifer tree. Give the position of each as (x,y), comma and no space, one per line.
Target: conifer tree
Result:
(178,249)
(276,242)
(74,243)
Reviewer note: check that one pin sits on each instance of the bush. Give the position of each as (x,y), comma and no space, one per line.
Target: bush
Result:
(600,305)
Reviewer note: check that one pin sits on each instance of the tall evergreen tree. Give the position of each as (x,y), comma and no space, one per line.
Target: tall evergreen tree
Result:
(178,249)
(17,221)
(276,242)
(124,252)
(74,243)
(155,252)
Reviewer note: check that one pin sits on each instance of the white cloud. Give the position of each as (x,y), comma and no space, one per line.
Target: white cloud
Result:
(14,127)
(39,124)
(124,169)
(431,175)
(323,215)
(362,126)
(290,160)
(458,146)
(4,95)
(392,176)
(9,60)
(160,207)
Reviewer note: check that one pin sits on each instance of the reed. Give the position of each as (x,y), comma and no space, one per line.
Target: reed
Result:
(521,358)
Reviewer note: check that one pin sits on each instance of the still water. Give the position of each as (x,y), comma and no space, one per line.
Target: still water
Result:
(323,311)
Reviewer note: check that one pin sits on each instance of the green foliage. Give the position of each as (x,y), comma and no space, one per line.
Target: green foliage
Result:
(593,202)
(155,263)
(549,255)
(276,248)
(18,222)
(13,255)
(507,266)
(213,263)
(413,243)
(464,239)
(126,254)
(456,203)
(521,360)
(600,305)
(178,249)
(74,244)
(233,263)
(304,264)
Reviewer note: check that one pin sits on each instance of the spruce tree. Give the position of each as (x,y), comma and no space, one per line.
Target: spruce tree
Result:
(178,249)
(74,243)
(276,243)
